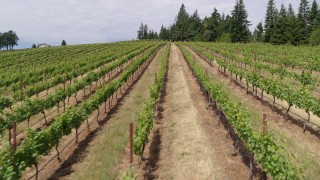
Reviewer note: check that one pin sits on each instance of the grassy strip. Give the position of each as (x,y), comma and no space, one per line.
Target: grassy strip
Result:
(145,119)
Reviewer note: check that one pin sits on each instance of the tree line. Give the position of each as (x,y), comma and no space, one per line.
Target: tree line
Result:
(8,40)
(284,26)
(279,27)
(145,33)
(217,27)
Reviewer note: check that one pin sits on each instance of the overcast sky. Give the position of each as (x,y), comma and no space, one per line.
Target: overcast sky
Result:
(93,21)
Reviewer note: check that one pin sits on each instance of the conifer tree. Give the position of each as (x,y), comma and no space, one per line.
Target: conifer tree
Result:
(240,25)
(211,24)
(270,20)
(140,31)
(258,33)
(195,30)
(181,26)
(314,16)
(294,29)
(280,28)
(304,18)
(145,31)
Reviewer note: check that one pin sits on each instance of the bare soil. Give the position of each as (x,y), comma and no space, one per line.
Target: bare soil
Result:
(188,142)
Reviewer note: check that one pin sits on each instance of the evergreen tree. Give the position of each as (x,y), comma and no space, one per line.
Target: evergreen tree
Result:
(280,28)
(34,46)
(162,33)
(181,25)
(2,42)
(195,30)
(140,31)
(315,38)
(304,18)
(240,25)
(150,34)
(63,43)
(172,32)
(314,15)
(211,26)
(270,20)
(258,33)
(225,25)
(294,29)
(156,36)
(145,31)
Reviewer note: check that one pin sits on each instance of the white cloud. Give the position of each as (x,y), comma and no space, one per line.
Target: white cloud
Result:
(83,21)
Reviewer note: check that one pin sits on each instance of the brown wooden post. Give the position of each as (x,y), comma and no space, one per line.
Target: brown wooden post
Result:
(265,124)
(14,136)
(131,143)
(155,78)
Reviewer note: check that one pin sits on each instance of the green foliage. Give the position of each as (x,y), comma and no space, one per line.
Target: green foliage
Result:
(145,33)
(315,37)
(240,24)
(304,19)
(63,43)
(195,29)
(211,26)
(35,106)
(40,143)
(268,152)
(315,16)
(280,28)
(271,15)
(145,119)
(225,38)
(259,33)
(129,175)
(180,32)
(8,40)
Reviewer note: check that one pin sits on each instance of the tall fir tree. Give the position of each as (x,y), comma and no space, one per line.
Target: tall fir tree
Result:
(304,18)
(145,31)
(270,20)
(195,30)
(181,25)
(259,33)
(211,26)
(140,31)
(280,28)
(314,16)
(294,29)
(240,25)
(162,33)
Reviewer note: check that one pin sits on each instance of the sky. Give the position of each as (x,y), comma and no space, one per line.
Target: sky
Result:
(98,21)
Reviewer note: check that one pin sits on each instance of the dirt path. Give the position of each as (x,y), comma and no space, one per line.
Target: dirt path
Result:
(304,146)
(193,145)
